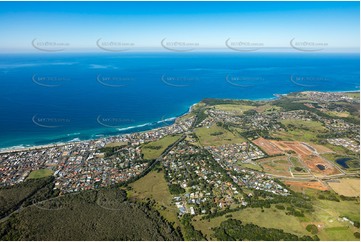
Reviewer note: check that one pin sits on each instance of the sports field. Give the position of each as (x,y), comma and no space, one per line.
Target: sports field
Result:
(40,173)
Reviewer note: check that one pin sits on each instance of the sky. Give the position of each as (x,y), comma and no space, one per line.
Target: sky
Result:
(183,26)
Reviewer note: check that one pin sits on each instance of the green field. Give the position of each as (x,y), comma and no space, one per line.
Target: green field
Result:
(276,166)
(153,150)
(216,135)
(354,95)
(338,114)
(40,173)
(296,135)
(115,144)
(270,218)
(329,212)
(238,109)
(186,116)
(268,108)
(295,161)
(336,233)
(300,130)
(250,166)
(337,148)
(304,125)
(279,164)
(154,186)
(326,215)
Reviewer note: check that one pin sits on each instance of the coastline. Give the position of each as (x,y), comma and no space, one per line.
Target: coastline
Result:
(21,147)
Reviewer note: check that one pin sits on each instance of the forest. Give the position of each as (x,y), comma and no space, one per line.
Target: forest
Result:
(105,214)
(233,229)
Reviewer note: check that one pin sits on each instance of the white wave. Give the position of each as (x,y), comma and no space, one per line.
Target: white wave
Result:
(133,127)
(16,147)
(190,108)
(72,134)
(166,120)
(74,140)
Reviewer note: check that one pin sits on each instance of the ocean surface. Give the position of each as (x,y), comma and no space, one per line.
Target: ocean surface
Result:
(58,97)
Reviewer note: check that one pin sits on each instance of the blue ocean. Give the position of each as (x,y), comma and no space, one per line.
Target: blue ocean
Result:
(58,97)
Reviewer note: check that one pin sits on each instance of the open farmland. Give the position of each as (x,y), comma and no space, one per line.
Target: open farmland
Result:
(216,135)
(304,125)
(349,187)
(269,218)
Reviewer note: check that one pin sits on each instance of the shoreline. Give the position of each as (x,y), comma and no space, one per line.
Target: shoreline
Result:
(17,148)
(22,148)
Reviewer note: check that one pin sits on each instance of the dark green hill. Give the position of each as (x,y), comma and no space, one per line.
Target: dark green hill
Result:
(92,215)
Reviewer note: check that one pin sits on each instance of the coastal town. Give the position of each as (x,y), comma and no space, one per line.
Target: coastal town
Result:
(83,165)
(203,176)
(180,120)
